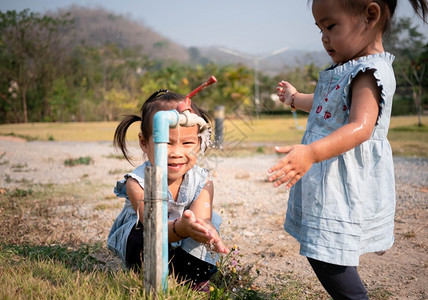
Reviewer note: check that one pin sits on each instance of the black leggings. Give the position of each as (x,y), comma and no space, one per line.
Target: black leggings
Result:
(183,265)
(341,282)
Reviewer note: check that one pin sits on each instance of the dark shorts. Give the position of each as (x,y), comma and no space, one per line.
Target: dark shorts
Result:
(183,265)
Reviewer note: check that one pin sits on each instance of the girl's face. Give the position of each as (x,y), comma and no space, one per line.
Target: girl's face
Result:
(344,36)
(183,148)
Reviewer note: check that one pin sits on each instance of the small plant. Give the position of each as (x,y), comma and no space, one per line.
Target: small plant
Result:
(19,193)
(260,149)
(4,162)
(50,137)
(18,167)
(83,160)
(232,278)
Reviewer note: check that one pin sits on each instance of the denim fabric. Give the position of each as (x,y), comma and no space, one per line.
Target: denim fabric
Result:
(344,207)
(192,185)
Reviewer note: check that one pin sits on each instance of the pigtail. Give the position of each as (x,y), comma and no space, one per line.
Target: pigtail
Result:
(119,140)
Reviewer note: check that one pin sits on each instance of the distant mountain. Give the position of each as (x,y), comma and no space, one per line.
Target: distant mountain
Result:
(97,27)
(270,65)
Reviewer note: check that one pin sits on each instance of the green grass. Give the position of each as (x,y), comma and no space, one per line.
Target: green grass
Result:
(26,275)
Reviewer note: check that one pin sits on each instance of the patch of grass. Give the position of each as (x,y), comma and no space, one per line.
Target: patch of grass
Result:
(260,149)
(19,166)
(73,131)
(26,137)
(380,293)
(293,289)
(411,128)
(117,171)
(79,259)
(115,156)
(105,206)
(20,193)
(4,162)
(83,160)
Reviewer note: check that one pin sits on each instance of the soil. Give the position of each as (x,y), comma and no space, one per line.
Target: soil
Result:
(252,210)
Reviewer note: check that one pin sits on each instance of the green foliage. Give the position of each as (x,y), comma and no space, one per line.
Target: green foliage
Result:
(411,63)
(31,54)
(50,73)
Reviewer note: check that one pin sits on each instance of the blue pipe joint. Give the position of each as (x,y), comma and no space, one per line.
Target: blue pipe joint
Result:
(162,121)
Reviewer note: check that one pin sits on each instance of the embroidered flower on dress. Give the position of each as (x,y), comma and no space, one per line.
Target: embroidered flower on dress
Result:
(345,107)
(327,115)
(319,108)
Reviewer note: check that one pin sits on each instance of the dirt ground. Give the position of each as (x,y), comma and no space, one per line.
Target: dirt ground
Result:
(252,211)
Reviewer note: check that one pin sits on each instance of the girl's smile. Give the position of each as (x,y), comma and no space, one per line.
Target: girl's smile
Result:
(175,166)
(183,148)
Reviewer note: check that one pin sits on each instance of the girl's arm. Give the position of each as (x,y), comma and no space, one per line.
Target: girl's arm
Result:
(362,119)
(196,222)
(136,195)
(288,95)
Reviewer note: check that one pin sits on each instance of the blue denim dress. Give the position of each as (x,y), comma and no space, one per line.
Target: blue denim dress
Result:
(344,207)
(192,185)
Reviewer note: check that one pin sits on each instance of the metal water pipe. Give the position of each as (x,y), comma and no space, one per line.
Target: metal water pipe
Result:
(162,122)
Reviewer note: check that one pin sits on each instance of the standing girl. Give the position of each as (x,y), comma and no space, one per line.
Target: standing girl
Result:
(342,200)
(192,224)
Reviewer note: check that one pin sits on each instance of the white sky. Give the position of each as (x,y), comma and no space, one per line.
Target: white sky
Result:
(254,27)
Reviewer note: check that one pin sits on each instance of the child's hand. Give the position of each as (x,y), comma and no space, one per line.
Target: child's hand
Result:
(202,231)
(293,166)
(284,92)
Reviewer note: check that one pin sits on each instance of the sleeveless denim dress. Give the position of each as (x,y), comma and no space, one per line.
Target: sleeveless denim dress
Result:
(344,207)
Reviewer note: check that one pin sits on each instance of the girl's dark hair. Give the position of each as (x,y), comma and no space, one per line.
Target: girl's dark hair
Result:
(159,100)
(387,9)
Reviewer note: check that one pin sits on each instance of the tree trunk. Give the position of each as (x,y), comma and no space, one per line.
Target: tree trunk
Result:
(24,104)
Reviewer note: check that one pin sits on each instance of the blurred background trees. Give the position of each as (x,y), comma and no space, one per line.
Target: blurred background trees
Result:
(84,64)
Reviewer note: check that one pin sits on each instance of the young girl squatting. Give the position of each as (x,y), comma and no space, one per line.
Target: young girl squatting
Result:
(192,225)
(342,197)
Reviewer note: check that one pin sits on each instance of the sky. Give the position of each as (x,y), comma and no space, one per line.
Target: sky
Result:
(252,27)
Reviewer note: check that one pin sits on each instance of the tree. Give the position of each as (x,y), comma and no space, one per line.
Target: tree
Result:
(406,42)
(30,52)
